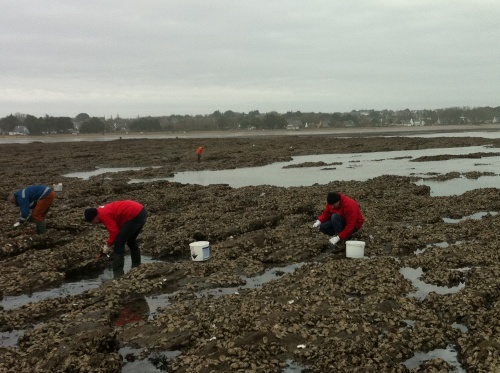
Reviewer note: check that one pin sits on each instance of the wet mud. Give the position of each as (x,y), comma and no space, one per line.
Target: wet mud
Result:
(331,313)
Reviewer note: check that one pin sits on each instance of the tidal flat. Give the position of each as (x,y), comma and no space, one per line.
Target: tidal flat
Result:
(323,312)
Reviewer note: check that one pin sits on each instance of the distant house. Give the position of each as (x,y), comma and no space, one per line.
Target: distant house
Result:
(412,122)
(496,120)
(19,130)
(293,124)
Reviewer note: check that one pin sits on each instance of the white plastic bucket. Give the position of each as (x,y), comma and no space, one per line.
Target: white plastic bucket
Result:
(200,250)
(354,249)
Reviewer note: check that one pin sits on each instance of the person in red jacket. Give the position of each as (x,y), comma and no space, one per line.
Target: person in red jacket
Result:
(124,221)
(341,217)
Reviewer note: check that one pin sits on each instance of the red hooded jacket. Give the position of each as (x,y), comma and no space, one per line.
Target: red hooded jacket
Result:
(350,210)
(115,214)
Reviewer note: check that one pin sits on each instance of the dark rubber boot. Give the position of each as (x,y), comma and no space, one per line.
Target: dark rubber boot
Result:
(135,255)
(118,263)
(41,227)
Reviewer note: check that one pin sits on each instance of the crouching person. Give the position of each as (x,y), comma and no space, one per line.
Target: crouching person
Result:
(341,217)
(124,221)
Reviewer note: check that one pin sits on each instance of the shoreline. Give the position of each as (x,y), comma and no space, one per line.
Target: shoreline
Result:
(353,132)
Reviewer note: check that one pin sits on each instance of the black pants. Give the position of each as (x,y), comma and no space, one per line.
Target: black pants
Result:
(128,235)
(334,226)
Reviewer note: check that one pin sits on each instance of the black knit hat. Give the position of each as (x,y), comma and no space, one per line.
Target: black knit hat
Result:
(90,214)
(333,197)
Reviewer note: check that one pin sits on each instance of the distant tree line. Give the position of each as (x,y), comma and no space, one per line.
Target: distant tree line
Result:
(230,120)
(92,125)
(37,126)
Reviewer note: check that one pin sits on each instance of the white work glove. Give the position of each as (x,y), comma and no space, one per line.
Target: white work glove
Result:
(334,240)
(316,224)
(106,250)
(16,225)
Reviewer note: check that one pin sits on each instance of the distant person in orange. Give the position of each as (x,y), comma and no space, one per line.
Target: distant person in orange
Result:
(198,153)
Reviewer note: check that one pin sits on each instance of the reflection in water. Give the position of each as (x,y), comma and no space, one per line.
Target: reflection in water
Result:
(68,288)
(137,310)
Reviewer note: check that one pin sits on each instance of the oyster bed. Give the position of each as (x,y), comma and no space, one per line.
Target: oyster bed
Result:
(330,314)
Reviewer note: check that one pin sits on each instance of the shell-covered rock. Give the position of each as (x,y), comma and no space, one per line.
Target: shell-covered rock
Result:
(330,313)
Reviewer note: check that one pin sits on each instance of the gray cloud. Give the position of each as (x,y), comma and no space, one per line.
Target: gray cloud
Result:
(190,57)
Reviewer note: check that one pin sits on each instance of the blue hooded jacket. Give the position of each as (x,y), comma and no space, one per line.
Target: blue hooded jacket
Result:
(27,198)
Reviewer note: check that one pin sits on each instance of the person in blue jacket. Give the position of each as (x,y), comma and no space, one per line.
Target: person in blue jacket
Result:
(38,198)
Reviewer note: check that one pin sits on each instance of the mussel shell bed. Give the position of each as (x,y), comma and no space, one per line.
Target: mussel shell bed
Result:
(331,314)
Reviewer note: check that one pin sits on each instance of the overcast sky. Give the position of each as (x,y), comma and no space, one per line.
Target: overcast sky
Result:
(163,57)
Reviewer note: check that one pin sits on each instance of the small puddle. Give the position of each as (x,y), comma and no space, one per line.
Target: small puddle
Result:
(150,180)
(68,288)
(476,216)
(442,245)
(156,302)
(9,339)
(157,361)
(460,327)
(449,355)
(252,282)
(293,367)
(423,288)
(409,322)
(464,269)
(85,175)
(459,185)
(455,325)
(159,301)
